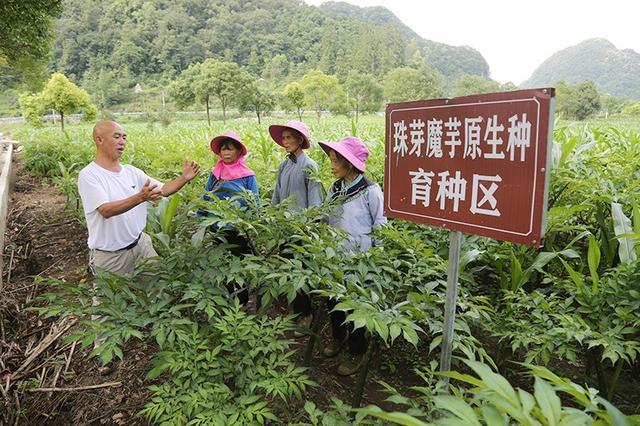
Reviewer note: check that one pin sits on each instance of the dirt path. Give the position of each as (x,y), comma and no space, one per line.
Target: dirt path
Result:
(43,239)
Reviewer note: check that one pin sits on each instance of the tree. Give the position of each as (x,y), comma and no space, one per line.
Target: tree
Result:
(321,91)
(255,95)
(364,92)
(26,32)
(613,104)
(293,98)
(408,84)
(224,80)
(468,84)
(276,69)
(579,101)
(32,108)
(60,95)
(107,87)
(211,78)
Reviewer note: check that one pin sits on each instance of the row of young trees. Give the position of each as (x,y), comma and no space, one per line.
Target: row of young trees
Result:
(233,86)
(230,85)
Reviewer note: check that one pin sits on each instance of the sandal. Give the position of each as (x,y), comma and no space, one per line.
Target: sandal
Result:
(105,369)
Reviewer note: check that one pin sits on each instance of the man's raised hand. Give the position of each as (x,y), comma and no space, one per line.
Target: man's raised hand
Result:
(190,169)
(150,192)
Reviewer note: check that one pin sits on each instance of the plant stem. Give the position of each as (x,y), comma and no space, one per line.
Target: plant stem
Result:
(602,383)
(362,376)
(318,315)
(614,380)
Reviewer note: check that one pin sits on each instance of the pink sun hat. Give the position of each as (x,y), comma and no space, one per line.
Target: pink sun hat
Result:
(351,148)
(275,131)
(215,142)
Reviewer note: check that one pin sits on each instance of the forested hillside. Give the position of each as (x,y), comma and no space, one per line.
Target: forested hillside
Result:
(615,71)
(140,39)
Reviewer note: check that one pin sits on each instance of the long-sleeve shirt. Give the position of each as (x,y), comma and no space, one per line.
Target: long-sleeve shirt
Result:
(294,180)
(225,189)
(359,215)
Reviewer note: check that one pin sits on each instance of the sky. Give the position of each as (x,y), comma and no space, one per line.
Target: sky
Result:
(515,37)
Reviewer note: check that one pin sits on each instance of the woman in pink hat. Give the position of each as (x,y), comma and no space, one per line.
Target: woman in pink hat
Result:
(230,177)
(295,181)
(361,203)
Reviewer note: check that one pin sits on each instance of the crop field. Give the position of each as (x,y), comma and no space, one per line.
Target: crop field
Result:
(526,318)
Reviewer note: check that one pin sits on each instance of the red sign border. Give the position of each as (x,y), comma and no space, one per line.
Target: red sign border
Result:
(532,236)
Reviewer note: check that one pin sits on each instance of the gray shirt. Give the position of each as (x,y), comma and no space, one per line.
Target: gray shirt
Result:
(358,215)
(294,180)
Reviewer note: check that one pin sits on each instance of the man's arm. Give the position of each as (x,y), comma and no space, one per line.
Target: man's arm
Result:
(147,193)
(190,170)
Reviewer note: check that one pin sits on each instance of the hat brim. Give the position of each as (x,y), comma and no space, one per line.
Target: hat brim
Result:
(340,149)
(217,141)
(275,130)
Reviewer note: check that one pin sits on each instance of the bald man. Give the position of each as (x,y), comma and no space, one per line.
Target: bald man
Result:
(114,198)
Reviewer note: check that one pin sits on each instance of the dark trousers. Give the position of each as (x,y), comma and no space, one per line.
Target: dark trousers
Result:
(241,248)
(302,303)
(357,339)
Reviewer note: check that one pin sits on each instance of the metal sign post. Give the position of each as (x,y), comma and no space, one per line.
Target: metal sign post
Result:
(450,302)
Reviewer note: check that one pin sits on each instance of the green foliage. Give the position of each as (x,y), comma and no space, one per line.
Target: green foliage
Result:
(268,38)
(579,101)
(321,91)
(365,94)
(59,95)
(257,96)
(574,300)
(632,110)
(221,362)
(211,79)
(20,46)
(409,84)
(474,84)
(32,108)
(226,371)
(293,99)
(492,400)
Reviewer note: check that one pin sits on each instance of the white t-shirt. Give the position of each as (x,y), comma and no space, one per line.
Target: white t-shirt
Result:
(98,186)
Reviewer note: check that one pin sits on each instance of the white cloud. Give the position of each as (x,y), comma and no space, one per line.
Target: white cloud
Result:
(515,37)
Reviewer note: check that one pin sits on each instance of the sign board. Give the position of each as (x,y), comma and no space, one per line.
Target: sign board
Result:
(477,164)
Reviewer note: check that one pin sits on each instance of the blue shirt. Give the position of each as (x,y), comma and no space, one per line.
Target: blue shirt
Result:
(225,189)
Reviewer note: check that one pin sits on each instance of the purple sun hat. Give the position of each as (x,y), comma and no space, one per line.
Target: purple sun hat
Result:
(275,131)
(351,148)
(216,141)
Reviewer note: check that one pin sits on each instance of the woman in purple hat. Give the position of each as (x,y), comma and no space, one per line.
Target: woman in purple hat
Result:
(230,177)
(294,180)
(361,211)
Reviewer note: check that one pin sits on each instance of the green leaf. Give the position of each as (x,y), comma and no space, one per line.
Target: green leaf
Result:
(615,416)
(548,401)
(394,331)
(398,418)
(493,417)
(155,372)
(457,407)
(622,225)
(593,259)
(494,381)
